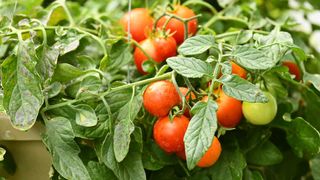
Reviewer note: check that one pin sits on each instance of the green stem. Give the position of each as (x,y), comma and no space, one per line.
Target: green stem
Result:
(139,83)
(182,97)
(65,8)
(216,69)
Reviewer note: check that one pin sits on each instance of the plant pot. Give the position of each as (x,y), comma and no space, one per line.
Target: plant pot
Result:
(31,158)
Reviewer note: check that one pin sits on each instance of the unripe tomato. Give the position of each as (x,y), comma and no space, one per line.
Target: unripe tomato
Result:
(160,97)
(229,111)
(140,23)
(236,69)
(191,95)
(177,27)
(260,113)
(293,69)
(169,134)
(212,155)
(159,49)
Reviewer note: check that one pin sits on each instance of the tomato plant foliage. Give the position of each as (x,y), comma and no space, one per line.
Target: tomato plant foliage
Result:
(70,66)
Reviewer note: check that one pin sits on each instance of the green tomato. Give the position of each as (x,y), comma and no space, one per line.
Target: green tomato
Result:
(260,113)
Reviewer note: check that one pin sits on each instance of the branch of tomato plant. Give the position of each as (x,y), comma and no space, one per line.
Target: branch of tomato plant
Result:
(216,69)
(203,3)
(182,97)
(126,86)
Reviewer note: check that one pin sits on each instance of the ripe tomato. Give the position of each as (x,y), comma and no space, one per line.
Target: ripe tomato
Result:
(160,97)
(212,155)
(236,69)
(159,48)
(181,154)
(260,113)
(176,26)
(140,23)
(191,95)
(229,111)
(293,69)
(169,134)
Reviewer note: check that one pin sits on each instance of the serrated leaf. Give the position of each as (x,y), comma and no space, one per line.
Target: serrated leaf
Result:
(190,67)
(200,133)
(59,139)
(196,45)
(252,58)
(85,115)
(125,127)
(241,89)
(23,96)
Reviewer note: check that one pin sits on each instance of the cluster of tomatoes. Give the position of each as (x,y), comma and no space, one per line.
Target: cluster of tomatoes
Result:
(160,97)
(157,46)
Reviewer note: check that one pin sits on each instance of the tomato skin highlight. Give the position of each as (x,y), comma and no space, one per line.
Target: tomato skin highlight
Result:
(236,69)
(229,111)
(159,49)
(191,95)
(159,97)
(140,23)
(260,113)
(177,27)
(169,135)
(212,155)
(293,69)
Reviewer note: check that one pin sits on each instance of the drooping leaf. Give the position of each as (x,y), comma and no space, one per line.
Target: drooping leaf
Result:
(59,139)
(131,168)
(190,67)
(241,89)
(23,95)
(200,133)
(196,45)
(125,127)
(252,58)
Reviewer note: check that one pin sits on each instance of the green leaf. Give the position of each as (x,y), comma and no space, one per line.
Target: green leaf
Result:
(85,115)
(190,67)
(196,45)
(68,42)
(252,175)
(265,154)
(224,3)
(53,89)
(54,14)
(120,55)
(251,58)
(66,72)
(301,136)
(125,127)
(59,139)
(315,167)
(200,133)
(23,95)
(47,62)
(131,168)
(241,89)
(312,78)
(99,171)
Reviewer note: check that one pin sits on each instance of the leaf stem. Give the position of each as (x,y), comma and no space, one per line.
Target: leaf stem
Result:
(203,3)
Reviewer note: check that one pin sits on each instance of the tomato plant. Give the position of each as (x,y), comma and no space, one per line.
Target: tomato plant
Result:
(114,84)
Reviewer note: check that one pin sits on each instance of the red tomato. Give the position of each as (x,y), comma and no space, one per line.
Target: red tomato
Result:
(293,69)
(159,48)
(169,134)
(229,111)
(160,97)
(181,154)
(236,69)
(176,26)
(191,95)
(140,23)
(212,155)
